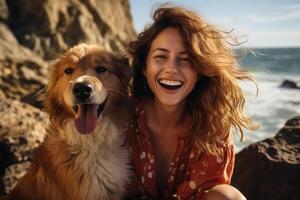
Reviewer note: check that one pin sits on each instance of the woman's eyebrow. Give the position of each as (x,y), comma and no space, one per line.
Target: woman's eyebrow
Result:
(159,49)
(166,50)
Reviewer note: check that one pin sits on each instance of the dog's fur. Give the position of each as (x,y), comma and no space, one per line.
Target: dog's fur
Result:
(74,166)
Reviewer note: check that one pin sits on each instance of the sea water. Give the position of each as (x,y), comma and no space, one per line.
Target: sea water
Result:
(273,105)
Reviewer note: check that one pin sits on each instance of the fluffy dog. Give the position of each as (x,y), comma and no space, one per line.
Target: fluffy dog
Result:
(83,155)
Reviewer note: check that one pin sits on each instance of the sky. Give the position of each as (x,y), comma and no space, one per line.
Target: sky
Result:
(263,23)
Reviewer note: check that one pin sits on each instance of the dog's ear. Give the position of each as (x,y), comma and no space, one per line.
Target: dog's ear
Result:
(124,69)
(48,95)
(52,79)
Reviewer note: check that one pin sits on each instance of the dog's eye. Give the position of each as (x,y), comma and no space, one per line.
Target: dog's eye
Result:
(100,69)
(69,70)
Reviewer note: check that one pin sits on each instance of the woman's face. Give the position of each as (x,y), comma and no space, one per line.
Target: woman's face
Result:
(169,72)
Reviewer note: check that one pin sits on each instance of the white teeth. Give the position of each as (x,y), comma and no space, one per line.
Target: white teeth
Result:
(170,83)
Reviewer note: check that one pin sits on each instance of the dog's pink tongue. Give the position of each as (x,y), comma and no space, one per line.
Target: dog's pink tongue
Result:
(87,120)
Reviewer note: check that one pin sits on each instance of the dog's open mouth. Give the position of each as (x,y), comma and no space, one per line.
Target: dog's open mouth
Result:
(87,116)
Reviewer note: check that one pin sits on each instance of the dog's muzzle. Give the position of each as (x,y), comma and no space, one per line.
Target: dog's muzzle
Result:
(82,92)
(89,102)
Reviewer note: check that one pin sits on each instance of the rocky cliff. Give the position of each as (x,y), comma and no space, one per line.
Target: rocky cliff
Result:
(50,26)
(32,34)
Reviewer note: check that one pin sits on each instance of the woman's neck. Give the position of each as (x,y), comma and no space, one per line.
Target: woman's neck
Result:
(164,117)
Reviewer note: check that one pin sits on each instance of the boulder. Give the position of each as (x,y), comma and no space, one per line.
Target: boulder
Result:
(2,95)
(3,10)
(21,71)
(22,129)
(289,84)
(51,27)
(270,169)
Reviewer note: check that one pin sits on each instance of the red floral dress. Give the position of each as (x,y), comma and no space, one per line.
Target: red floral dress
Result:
(190,174)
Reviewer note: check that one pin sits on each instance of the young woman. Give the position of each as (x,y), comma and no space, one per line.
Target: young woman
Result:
(188,99)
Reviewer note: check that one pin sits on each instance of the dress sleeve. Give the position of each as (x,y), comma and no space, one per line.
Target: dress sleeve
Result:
(205,172)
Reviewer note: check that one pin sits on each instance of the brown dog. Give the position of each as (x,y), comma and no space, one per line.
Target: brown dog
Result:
(83,155)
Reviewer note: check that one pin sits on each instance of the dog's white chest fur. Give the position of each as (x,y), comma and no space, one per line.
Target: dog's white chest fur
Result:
(104,172)
(99,163)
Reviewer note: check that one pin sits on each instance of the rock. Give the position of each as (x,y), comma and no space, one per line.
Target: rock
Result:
(3,10)
(51,27)
(2,95)
(7,35)
(12,175)
(270,169)
(34,99)
(22,129)
(21,71)
(289,84)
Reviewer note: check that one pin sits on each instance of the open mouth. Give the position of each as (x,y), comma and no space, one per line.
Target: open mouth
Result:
(170,85)
(87,116)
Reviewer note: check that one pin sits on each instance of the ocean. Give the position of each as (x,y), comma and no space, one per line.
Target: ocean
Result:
(273,105)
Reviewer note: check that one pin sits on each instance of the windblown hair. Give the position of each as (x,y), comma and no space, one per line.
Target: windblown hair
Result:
(216,104)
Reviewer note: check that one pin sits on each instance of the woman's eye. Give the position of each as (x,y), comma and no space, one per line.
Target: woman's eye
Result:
(184,60)
(69,71)
(100,69)
(160,57)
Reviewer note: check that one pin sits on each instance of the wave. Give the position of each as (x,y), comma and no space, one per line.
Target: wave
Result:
(273,105)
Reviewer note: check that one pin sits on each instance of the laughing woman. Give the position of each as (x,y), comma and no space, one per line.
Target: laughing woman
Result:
(188,100)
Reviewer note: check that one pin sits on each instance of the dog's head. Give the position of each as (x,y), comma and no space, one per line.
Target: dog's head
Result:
(86,84)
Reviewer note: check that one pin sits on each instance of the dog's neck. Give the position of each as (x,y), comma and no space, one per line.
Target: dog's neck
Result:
(82,154)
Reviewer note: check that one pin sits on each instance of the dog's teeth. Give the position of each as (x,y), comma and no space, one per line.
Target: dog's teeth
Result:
(101,107)
(170,83)
(75,108)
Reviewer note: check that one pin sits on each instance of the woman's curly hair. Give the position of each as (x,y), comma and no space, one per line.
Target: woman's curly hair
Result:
(216,104)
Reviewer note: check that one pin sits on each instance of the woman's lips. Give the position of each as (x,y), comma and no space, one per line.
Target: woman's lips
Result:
(170,84)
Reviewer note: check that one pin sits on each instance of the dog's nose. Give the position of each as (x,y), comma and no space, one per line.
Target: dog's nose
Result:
(82,92)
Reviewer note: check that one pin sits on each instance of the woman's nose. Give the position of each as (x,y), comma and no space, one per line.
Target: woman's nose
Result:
(172,66)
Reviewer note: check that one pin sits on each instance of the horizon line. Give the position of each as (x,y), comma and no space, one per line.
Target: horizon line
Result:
(268,47)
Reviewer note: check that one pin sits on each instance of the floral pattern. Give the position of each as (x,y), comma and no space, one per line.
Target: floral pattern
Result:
(191,173)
